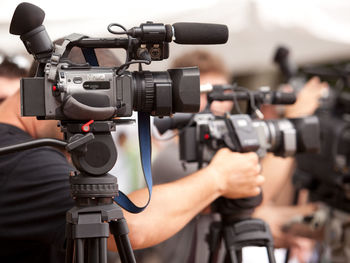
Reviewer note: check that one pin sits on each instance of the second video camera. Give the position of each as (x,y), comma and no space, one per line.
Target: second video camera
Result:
(203,134)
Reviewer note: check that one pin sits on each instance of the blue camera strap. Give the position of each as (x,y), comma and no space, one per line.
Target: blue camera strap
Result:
(144,131)
(90,56)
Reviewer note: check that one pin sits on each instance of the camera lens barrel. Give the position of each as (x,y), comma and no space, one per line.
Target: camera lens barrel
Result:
(164,93)
(152,92)
(286,137)
(143,90)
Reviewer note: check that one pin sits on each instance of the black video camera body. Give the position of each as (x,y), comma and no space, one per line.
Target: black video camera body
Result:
(85,97)
(203,134)
(99,93)
(66,91)
(326,174)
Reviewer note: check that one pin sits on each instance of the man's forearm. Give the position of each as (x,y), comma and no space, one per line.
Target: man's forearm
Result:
(168,212)
(277,172)
(173,205)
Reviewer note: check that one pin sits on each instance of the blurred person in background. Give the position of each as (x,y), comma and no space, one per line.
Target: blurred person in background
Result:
(12,69)
(189,245)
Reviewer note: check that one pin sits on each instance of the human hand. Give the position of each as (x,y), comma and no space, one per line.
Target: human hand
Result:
(236,174)
(278,216)
(308,99)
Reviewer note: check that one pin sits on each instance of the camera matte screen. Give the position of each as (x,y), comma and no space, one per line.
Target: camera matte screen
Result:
(33,97)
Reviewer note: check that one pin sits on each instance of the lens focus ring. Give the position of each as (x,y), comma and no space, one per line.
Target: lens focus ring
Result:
(149,92)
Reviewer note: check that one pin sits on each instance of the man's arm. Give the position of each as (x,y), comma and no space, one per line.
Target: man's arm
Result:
(276,170)
(174,204)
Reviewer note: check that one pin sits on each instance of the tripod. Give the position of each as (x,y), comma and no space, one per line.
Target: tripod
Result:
(89,222)
(93,189)
(238,230)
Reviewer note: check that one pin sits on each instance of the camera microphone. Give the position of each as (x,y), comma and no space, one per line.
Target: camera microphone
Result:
(181,33)
(200,33)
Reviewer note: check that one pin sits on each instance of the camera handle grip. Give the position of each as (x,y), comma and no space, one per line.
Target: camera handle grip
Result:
(76,110)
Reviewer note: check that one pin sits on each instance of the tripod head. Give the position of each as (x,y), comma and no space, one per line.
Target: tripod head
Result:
(94,157)
(234,210)
(93,153)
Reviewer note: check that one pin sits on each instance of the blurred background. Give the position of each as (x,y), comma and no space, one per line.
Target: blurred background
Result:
(316,31)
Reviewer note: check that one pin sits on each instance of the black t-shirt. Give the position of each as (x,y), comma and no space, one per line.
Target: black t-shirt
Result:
(34,198)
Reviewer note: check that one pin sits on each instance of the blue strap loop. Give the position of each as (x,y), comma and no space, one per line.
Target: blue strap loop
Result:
(144,131)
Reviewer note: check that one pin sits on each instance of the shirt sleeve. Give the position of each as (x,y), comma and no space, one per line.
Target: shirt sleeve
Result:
(35,197)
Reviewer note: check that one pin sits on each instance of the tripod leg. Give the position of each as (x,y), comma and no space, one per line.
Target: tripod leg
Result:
(93,250)
(69,251)
(232,256)
(120,231)
(125,250)
(213,256)
(214,241)
(103,250)
(70,244)
(270,254)
(79,250)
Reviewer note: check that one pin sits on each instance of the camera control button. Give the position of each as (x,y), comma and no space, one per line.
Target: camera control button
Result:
(77,80)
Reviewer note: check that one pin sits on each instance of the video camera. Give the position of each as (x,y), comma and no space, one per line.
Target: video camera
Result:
(204,133)
(66,91)
(86,97)
(326,174)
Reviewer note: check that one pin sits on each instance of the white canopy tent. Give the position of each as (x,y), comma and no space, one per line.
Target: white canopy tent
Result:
(315,30)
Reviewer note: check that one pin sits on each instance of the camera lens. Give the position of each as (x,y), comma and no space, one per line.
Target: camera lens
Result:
(164,93)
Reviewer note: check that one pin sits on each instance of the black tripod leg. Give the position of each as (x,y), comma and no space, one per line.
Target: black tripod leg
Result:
(120,231)
(213,256)
(214,241)
(232,256)
(70,244)
(270,254)
(125,250)
(244,233)
(79,250)
(287,256)
(93,250)
(69,251)
(103,250)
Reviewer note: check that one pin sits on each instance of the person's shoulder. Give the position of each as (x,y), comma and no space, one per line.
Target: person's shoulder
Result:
(43,160)
(47,152)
